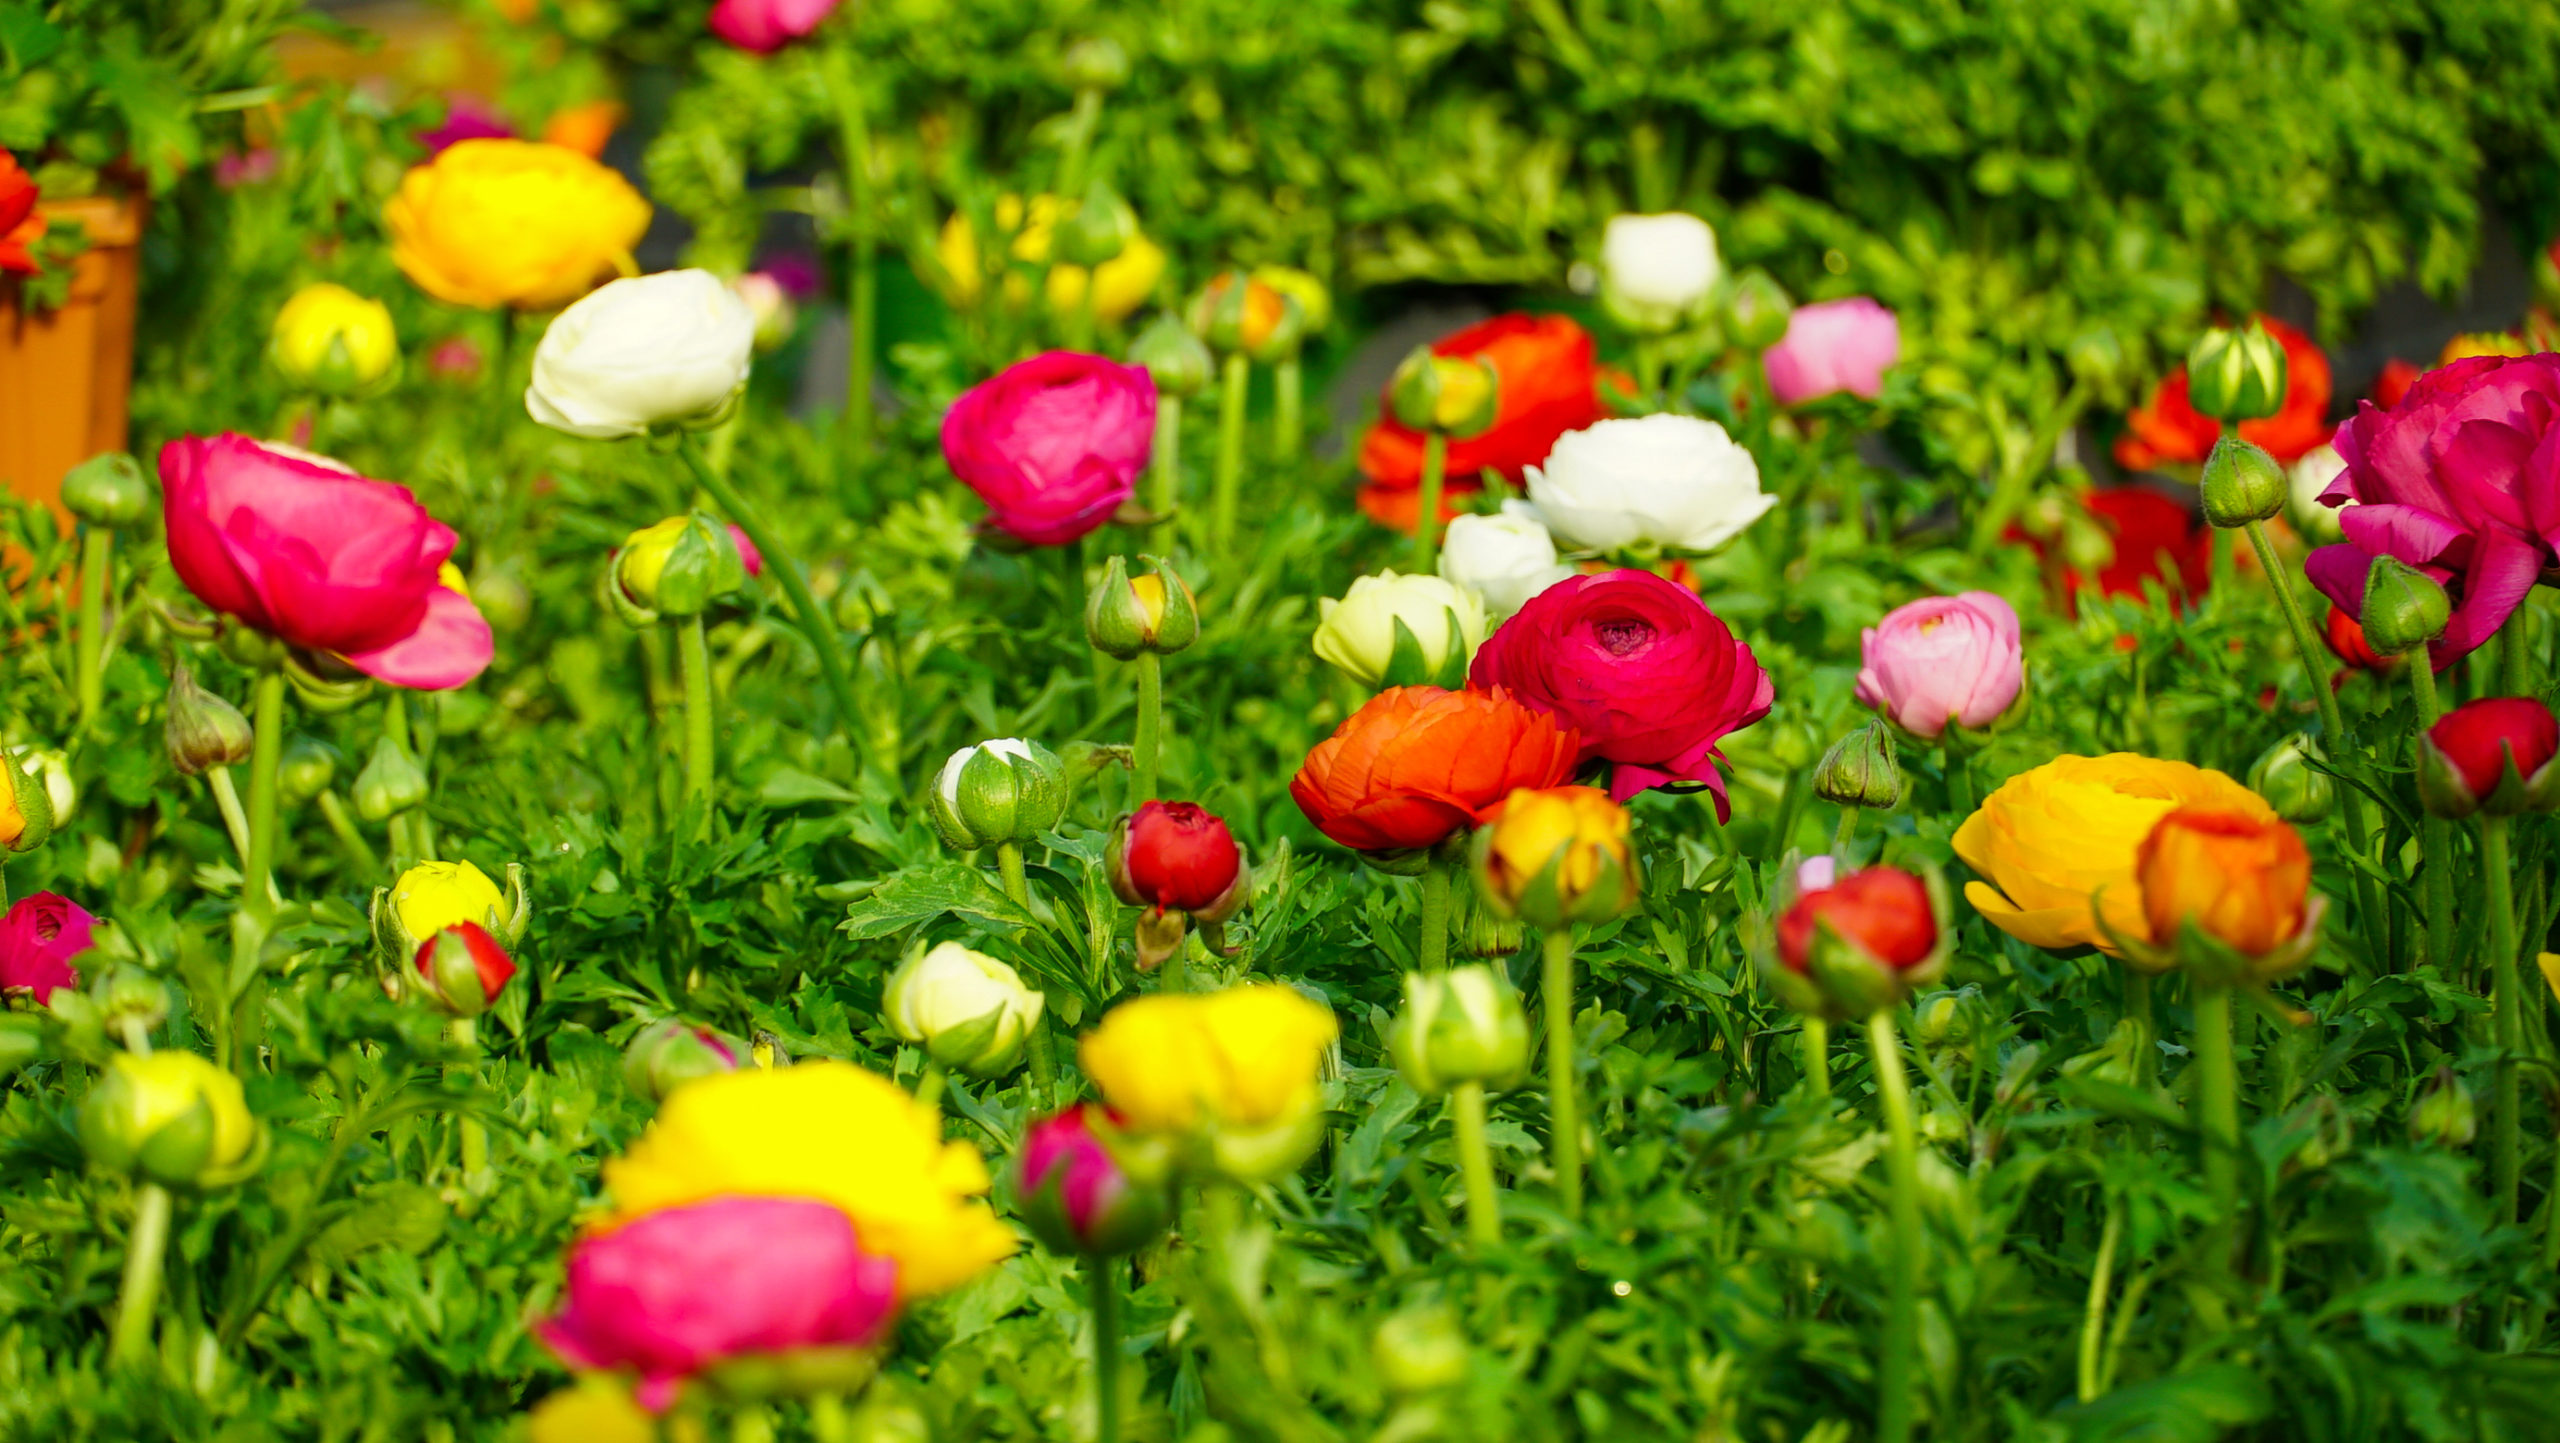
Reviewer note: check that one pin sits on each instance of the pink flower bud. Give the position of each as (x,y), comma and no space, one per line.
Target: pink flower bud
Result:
(1842,345)
(1941,660)
(1074,1195)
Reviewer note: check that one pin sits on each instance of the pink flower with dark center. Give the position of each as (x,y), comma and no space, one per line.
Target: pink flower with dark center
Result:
(40,937)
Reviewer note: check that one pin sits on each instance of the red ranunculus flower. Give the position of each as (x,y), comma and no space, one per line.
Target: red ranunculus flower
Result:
(1418,763)
(1176,856)
(20,226)
(1884,911)
(1053,444)
(2393,383)
(2166,429)
(2477,738)
(1641,668)
(2155,540)
(1550,384)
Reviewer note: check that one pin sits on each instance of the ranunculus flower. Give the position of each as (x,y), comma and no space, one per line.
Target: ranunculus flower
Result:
(462,969)
(1943,660)
(1550,384)
(2346,638)
(1658,272)
(1175,857)
(320,558)
(2461,480)
(828,1131)
(2166,429)
(1640,667)
(1834,346)
(172,1116)
(671,349)
(1654,483)
(969,1010)
(2465,759)
(2055,844)
(432,896)
(2393,382)
(768,25)
(1122,283)
(40,937)
(1883,911)
(2155,540)
(1418,763)
(680,1292)
(1075,1197)
(2310,478)
(1557,856)
(1504,559)
(327,335)
(20,226)
(1357,634)
(2241,878)
(512,223)
(1053,444)
(1231,1080)
(466,117)
(586,127)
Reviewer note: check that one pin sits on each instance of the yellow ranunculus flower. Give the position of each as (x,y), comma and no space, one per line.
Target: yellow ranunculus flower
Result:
(1126,279)
(2056,838)
(513,223)
(323,317)
(595,1410)
(825,1130)
(1557,856)
(432,896)
(1230,1081)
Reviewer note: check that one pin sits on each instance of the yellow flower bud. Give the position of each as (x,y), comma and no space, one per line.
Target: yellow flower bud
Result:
(432,896)
(172,1116)
(1558,856)
(334,340)
(1124,282)
(1232,1080)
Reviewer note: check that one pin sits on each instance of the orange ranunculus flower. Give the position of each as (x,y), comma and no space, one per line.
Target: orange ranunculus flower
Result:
(513,223)
(2055,844)
(2166,429)
(1418,763)
(2243,879)
(1550,384)
(1558,856)
(585,128)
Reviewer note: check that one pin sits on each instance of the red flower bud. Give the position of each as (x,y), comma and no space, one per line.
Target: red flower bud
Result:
(1174,856)
(2346,638)
(1884,911)
(447,986)
(2463,766)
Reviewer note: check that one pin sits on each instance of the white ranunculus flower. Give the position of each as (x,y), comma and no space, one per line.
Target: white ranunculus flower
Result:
(1358,633)
(667,349)
(1658,272)
(1660,482)
(1503,559)
(969,1010)
(2311,475)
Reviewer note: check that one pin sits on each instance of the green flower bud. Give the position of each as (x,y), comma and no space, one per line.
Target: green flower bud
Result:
(2242,483)
(1420,1350)
(1098,230)
(1006,790)
(107,490)
(1861,770)
(503,599)
(171,1117)
(1757,312)
(27,813)
(1178,360)
(1125,615)
(671,1052)
(1462,1025)
(968,1010)
(1457,396)
(202,729)
(2298,791)
(2404,608)
(306,769)
(2236,375)
(2445,1112)
(391,782)
(2096,355)
(674,569)
(1096,62)
(125,993)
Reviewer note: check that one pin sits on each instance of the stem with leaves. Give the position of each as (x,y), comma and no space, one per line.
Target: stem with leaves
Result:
(693,663)
(814,622)
(89,663)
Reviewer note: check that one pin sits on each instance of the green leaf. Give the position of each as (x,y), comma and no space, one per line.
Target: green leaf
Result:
(919,895)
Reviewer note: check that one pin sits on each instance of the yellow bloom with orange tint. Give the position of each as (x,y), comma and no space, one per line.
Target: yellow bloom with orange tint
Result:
(2244,881)
(1558,856)
(513,223)
(2056,843)
(1231,1081)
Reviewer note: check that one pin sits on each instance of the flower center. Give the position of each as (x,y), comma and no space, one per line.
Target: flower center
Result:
(1624,635)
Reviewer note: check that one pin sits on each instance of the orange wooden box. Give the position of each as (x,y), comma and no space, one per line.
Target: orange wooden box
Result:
(65,376)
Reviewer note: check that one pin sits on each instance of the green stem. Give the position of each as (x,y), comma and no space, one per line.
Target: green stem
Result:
(862,298)
(2515,653)
(778,562)
(1896,1380)
(264,756)
(1164,489)
(144,1249)
(1078,143)
(1103,1274)
(2010,491)
(2093,1322)
(1817,1055)
(1959,769)
(2507,1133)
(1840,836)
(1431,948)
(1043,1062)
(2217,1094)
(929,1087)
(1150,739)
(752,1423)
(475,1134)
(1236,378)
(350,837)
(1475,1163)
(2436,833)
(235,820)
(693,664)
(89,663)
(1426,519)
(1288,409)
(1564,1110)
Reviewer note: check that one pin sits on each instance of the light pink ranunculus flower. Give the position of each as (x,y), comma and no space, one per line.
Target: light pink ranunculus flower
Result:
(320,558)
(1943,659)
(767,25)
(1842,345)
(1053,444)
(683,1290)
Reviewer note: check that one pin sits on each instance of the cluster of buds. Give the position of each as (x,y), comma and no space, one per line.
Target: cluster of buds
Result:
(2226,895)
(966,1009)
(172,1118)
(2237,374)
(2492,757)
(1005,790)
(671,1052)
(445,921)
(1455,396)
(1558,856)
(1462,1025)
(1855,945)
(673,570)
(1179,862)
(1076,1197)
(1127,615)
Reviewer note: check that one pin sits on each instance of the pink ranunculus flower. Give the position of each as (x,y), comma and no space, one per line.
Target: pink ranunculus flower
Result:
(1650,678)
(681,1291)
(1053,444)
(320,558)
(767,25)
(1842,345)
(39,938)
(1941,660)
(1075,1197)
(2460,479)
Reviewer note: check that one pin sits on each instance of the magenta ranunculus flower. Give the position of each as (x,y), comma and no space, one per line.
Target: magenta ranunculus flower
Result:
(764,25)
(1640,667)
(320,558)
(685,1290)
(1075,1197)
(2461,479)
(1842,345)
(1943,659)
(1053,444)
(39,938)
